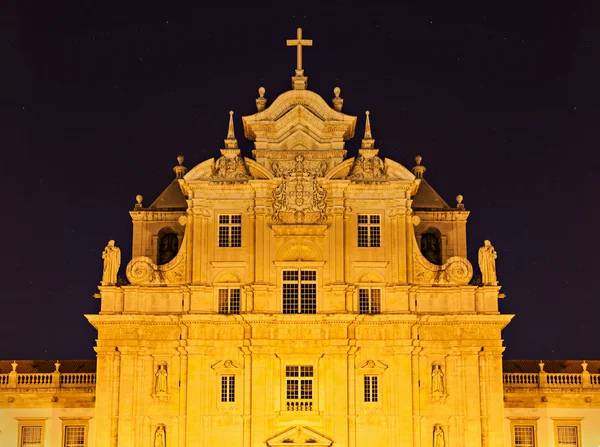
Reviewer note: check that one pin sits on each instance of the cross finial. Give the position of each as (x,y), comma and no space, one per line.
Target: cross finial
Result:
(299,43)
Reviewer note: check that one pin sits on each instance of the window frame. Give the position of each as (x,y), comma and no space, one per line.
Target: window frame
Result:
(229,292)
(75,422)
(31,422)
(310,402)
(299,282)
(370,290)
(373,388)
(567,422)
(229,225)
(523,422)
(227,388)
(369,230)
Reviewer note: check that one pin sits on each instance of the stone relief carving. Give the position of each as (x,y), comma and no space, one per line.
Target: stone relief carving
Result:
(487,264)
(112,262)
(456,271)
(299,198)
(437,379)
(230,166)
(438,436)
(366,167)
(160,382)
(160,436)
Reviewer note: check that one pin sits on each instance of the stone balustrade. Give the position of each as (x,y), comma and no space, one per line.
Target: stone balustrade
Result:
(299,405)
(544,379)
(56,379)
(77,379)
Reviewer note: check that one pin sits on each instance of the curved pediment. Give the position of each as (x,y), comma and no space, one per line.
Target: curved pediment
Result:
(299,110)
(397,171)
(202,171)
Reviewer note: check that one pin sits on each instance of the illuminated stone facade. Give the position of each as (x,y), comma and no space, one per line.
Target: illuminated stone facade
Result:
(296,297)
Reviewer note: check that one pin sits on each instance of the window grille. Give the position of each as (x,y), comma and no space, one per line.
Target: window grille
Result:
(567,436)
(74,436)
(299,291)
(31,436)
(369,301)
(230,230)
(227,388)
(371,389)
(524,436)
(229,301)
(369,230)
(299,387)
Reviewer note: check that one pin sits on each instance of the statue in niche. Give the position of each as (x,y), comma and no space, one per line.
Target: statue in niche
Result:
(437,379)
(438,436)
(487,264)
(160,385)
(112,262)
(431,248)
(160,436)
(168,245)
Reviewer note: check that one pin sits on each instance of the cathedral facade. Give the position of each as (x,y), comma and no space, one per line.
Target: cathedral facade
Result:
(298,296)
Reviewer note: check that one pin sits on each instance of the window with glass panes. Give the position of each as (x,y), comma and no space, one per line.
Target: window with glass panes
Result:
(369,230)
(31,436)
(74,436)
(299,291)
(230,230)
(229,301)
(371,388)
(524,436)
(567,436)
(369,301)
(227,388)
(299,382)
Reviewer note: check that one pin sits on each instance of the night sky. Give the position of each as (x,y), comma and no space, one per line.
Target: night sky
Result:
(501,101)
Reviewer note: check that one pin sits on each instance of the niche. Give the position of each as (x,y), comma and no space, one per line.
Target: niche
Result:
(431,245)
(168,245)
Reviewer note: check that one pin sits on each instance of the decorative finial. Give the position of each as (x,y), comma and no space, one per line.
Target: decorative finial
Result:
(338,102)
(138,199)
(584,365)
(179,170)
(459,200)
(419,170)
(541,365)
(367,142)
(230,141)
(261,101)
(57,366)
(14,365)
(299,82)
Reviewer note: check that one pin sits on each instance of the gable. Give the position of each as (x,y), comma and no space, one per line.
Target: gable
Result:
(299,435)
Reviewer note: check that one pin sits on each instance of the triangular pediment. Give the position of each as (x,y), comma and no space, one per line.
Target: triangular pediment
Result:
(299,435)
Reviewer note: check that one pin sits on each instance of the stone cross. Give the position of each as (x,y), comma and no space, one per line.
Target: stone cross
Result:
(299,43)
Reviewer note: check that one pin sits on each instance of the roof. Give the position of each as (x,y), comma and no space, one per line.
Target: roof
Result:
(550,366)
(427,198)
(171,198)
(47,366)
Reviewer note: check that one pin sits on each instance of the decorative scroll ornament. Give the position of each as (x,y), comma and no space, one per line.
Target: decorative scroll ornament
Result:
(143,272)
(299,198)
(230,166)
(368,166)
(456,271)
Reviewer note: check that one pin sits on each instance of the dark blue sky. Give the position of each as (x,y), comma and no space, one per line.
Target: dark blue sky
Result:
(501,101)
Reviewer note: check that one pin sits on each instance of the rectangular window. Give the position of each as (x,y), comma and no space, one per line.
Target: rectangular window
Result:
(369,301)
(230,230)
(567,436)
(229,301)
(371,389)
(74,436)
(369,230)
(523,436)
(31,436)
(299,387)
(299,291)
(227,388)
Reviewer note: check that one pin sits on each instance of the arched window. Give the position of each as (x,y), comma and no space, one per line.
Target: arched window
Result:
(431,245)
(168,246)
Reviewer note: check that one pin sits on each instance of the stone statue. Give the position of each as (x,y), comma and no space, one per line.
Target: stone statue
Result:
(438,436)
(160,385)
(487,264)
(112,262)
(159,436)
(437,379)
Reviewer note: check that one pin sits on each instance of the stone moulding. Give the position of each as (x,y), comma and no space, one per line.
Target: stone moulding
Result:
(141,271)
(456,271)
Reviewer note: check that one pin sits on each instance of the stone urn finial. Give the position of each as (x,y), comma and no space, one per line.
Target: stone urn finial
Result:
(584,365)
(541,365)
(261,101)
(14,365)
(57,366)
(459,202)
(338,102)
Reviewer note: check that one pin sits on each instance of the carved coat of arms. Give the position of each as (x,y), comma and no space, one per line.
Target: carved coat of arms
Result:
(299,198)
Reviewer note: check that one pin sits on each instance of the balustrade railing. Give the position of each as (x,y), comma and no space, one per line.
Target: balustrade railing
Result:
(595,379)
(299,405)
(3,379)
(38,379)
(544,379)
(47,380)
(521,379)
(561,379)
(77,379)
